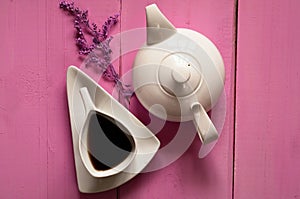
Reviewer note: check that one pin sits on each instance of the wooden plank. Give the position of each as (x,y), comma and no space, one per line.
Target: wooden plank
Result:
(61,45)
(267,106)
(35,139)
(23,100)
(188,177)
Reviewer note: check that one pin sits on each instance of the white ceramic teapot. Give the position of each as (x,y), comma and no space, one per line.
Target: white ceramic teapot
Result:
(182,71)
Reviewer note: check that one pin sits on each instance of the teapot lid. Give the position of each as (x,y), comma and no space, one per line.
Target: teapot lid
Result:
(179,74)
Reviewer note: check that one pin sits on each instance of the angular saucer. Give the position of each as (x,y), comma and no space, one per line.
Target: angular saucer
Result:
(146,143)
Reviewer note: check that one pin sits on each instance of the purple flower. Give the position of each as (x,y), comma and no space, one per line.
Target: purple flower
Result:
(81,24)
(99,51)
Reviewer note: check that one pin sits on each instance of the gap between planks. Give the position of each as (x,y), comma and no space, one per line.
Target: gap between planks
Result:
(236,20)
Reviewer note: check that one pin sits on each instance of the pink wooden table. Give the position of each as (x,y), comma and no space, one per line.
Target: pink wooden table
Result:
(258,154)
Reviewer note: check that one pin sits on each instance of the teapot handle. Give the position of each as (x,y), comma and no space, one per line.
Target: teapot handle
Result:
(205,128)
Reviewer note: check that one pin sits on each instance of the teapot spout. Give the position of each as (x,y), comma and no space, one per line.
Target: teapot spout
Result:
(159,28)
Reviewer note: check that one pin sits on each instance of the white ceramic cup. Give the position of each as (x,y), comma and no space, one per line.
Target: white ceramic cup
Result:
(90,109)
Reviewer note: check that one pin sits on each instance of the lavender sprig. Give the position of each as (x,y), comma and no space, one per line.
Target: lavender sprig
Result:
(99,52)
(81,20)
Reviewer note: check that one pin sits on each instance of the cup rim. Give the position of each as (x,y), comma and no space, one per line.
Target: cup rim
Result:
(84,152)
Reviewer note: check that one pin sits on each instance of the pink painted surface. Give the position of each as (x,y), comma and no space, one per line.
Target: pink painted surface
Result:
(267,103)
(35,139)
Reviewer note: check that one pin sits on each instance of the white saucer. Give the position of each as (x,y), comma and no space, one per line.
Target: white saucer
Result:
(146,143)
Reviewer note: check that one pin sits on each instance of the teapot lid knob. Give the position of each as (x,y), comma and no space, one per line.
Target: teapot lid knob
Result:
(181,74)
